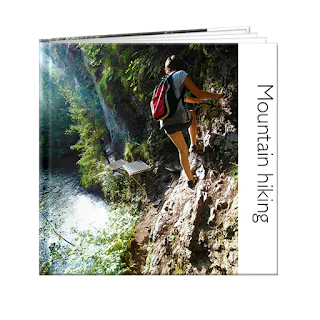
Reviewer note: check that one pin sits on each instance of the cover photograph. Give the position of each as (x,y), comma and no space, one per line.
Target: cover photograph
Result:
(158,158)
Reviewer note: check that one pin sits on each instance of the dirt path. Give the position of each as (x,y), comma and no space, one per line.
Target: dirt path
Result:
(141,239)
(142,234)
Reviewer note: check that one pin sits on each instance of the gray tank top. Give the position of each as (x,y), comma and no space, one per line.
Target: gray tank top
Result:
(182,115)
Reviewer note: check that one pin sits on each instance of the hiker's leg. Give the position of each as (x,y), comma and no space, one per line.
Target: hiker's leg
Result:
(193,129)
(179,141)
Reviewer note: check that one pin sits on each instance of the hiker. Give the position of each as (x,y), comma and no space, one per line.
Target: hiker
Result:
(183,118)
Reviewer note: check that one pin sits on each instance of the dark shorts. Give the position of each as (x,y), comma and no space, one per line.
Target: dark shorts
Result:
(177,127)
(193,107)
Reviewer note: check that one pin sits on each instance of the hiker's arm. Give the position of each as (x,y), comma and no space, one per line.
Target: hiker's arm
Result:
(200,93)
(193,100)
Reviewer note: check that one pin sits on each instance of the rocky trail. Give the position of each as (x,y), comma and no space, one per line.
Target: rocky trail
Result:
(193,231)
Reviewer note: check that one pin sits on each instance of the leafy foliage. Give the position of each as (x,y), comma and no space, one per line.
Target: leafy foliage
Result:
(90,130)
(54,117)
(136,151)
(102,252)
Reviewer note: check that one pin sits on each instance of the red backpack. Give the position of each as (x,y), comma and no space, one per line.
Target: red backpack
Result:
(164,102)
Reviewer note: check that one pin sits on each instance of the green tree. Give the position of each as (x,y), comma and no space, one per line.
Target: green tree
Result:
(54,117)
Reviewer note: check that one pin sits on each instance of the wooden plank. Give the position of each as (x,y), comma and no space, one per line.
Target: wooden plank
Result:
(136,167)
(117,164)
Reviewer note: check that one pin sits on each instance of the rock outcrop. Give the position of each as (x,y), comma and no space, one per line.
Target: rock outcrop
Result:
(195,231)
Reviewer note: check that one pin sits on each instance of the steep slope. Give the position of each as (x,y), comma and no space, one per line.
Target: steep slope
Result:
(202,233)
(195,231)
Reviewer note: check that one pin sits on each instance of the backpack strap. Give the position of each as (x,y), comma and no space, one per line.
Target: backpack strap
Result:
(182,94)
(184,87)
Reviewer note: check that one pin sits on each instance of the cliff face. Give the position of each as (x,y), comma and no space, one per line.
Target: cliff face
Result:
(195,231)
(181,231)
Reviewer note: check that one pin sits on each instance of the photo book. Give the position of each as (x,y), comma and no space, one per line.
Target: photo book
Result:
(158,154)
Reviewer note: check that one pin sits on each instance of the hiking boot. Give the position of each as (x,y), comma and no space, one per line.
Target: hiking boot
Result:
(194,149)
(190,184)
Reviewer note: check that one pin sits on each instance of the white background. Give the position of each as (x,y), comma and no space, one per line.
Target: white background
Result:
(257,241)
(258,65)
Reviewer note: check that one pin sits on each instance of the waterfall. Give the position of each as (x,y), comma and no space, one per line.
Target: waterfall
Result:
(116,127)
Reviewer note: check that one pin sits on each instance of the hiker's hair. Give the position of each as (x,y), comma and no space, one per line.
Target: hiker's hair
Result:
(174,63)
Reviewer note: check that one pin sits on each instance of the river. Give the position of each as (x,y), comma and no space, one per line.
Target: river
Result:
(68,206)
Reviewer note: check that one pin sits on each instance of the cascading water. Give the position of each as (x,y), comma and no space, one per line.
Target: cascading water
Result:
(116,127)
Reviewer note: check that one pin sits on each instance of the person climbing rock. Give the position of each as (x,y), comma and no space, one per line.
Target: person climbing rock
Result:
(184,118)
